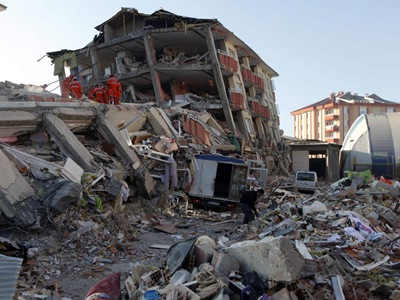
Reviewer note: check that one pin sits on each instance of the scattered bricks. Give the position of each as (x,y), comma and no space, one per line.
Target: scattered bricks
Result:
(156,276)
(167,275)
(303,294)
(224,264)
(152,278)
(189,263)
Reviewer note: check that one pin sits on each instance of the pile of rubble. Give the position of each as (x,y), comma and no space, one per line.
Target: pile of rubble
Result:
(86,196)
(340,243)
(337,244)
(103,152)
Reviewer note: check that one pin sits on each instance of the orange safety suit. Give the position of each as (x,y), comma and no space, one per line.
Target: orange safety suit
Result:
(112,84)
(75,89)
(65,86)
(98,93)
(90,94)
(106,98)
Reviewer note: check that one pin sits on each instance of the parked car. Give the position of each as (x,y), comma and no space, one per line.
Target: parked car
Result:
(306,181)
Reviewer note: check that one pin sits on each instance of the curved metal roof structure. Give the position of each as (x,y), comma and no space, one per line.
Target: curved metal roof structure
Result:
(372,143)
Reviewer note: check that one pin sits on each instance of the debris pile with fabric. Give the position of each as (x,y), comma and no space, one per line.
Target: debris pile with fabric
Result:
(111,193)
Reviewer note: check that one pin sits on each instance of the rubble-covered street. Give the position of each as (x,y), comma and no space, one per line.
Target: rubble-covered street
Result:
(342,242)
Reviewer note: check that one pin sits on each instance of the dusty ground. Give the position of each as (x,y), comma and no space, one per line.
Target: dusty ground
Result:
(68,265)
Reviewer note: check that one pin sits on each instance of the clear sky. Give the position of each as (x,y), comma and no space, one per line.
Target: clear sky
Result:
(316,46)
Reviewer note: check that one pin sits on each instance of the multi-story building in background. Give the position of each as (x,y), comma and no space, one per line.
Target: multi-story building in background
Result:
(175,60)
(330,119)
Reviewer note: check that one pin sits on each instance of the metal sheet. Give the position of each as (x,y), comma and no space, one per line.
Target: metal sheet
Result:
(178,253)
(9,272)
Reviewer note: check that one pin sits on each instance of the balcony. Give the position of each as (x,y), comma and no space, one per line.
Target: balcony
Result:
(331,128)
(259,110)
(228,63)
(248,77)
(237,101)
(331,117)
(259,83)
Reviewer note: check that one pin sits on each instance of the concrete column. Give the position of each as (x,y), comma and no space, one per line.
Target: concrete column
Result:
(219,79)
(260,128)
(151,58)
(68,142)
(95,64)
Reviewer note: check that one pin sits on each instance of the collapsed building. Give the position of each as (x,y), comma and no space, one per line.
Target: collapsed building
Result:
(188,84)
(187,63)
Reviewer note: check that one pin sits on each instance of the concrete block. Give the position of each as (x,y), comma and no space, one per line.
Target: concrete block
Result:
(224,264)
(272,258)
(158,123)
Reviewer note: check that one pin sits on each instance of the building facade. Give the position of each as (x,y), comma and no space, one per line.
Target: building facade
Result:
(176,60)
(330,119)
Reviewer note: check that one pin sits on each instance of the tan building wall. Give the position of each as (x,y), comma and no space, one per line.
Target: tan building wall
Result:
(331,120)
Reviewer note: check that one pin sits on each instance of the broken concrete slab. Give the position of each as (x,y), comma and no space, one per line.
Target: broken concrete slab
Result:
(68,142)
(75,118)
(145,183)
(13,188)
(158,123)
(272,258)
(126,116)
(206,117)
(14,123)
(224,264)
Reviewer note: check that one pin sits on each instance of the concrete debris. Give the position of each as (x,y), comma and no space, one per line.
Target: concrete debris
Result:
(261,259)
(86,190)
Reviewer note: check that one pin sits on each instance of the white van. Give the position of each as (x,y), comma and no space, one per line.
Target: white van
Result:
(306,181)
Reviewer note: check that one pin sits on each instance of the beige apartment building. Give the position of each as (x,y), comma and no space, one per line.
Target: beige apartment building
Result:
(330,119)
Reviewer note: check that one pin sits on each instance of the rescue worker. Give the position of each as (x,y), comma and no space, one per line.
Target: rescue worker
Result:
(106,98)
(90,93)
(75,89)
(247,204)
(119,93)
(112,84)
(98,94)
(65,86)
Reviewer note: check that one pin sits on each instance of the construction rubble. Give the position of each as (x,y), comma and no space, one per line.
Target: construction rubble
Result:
(86,202)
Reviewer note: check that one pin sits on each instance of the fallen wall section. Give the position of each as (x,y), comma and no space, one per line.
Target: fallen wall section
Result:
(272,258)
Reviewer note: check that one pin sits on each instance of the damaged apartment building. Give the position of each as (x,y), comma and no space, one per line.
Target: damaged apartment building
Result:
(194,65)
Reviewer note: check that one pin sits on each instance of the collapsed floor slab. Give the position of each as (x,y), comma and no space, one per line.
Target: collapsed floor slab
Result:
(144,180)
(272,258)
